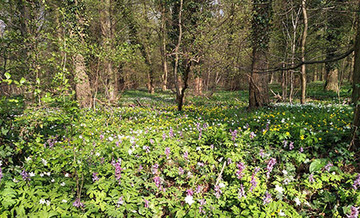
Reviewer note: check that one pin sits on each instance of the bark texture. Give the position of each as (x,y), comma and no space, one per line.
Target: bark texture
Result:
(83,93)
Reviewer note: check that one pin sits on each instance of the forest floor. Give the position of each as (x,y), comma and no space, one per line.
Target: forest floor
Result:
(214,159)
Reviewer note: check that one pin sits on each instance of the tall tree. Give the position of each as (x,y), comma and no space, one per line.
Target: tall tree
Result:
(356,87)
(303,43)
(258,81)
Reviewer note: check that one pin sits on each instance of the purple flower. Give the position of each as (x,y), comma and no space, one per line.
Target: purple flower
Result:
(301,150)
(354,212)
(118,170)
(157,181)
(77,203)
(154,168)
(311,178)
(253,180)
(267,198)
(262,154)
(146,203)
(181,171)
(140,168)
(356,182)
(95,177)
(252,135)
(198,189)
(241,192)
(171,133)
(152,141)
(241,167)
(190,192)
(217,191)
(328,166)
(202,202)
(167,152)
(186,155)
(1,174)
(291,146)
(164,136)
(101,136)
(25,176)
(285,143)
(146,148)
(270,166)
(233,134)
(120,202)
(229,161)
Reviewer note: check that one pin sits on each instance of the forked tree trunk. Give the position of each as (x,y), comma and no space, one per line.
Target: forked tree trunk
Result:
(82,88)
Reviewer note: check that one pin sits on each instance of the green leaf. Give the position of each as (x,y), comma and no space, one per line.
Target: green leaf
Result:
(7,75)
(317,165)
(22,80)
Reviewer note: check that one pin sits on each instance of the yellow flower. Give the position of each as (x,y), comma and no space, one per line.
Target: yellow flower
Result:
(302,137)
(320,139)
(287,134)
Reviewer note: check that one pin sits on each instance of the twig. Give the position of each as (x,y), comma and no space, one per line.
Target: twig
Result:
(221,172)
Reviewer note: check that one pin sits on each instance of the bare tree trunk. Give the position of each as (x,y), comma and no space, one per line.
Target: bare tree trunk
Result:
(284,83)
(332,79)
(356,89)
(107,44)
(198,86)
(258,82)
(82,88)
(177,76)
(163,48)
(292,79)
(303,43)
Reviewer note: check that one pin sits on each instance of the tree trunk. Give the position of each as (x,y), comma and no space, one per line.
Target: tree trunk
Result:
(292,79)
(198,86)
(331,83)
(284,83)
(258,82)
(107,44)
(163,48)
(303,43)
(82,88)
(356,89)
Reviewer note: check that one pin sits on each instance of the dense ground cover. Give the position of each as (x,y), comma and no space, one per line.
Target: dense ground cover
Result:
(146,159)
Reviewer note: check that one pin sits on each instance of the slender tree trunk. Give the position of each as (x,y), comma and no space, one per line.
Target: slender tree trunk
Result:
(163,47)
(356,89)
(198,86)
(284,83)
(303,43)
(292,79)
(177,76)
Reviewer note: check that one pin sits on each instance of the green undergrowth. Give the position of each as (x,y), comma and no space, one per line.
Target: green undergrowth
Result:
(145,159)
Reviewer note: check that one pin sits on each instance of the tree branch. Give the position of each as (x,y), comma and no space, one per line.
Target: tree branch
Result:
(306,62)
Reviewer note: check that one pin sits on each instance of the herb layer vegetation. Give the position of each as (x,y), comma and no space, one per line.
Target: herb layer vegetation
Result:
(146,159)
